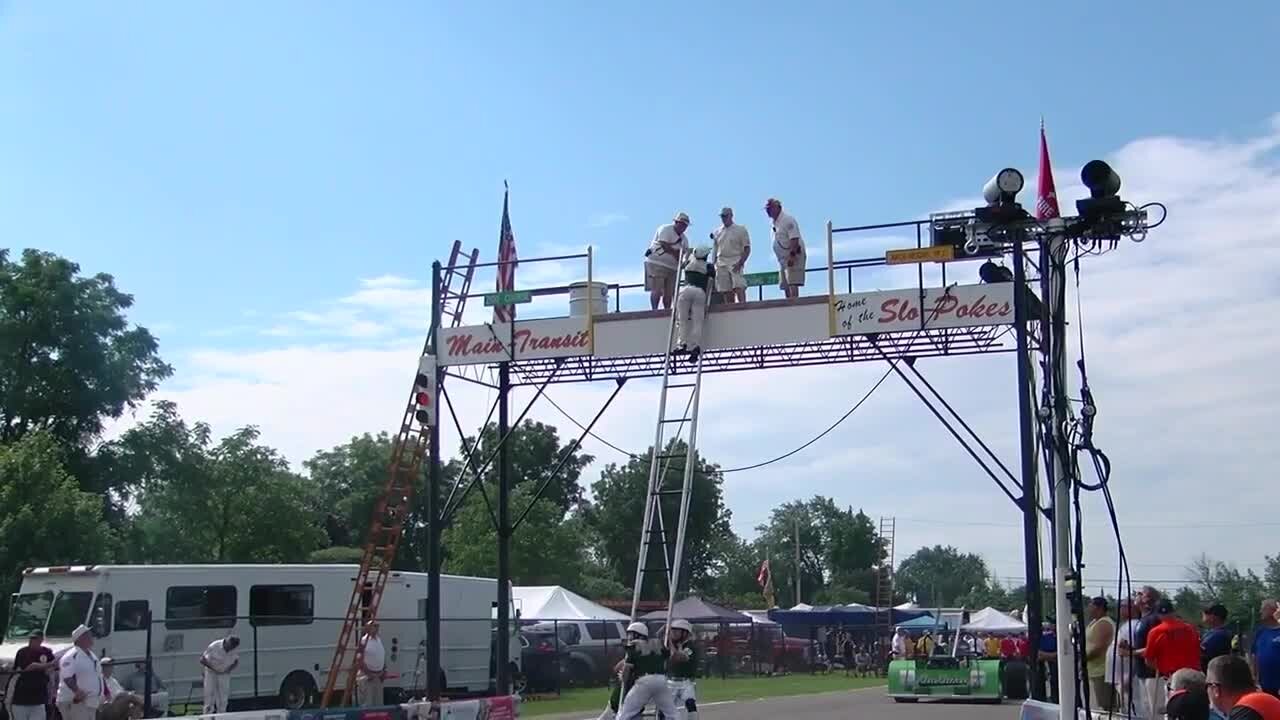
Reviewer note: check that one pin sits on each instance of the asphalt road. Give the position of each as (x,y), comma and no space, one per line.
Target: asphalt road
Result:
(870,703)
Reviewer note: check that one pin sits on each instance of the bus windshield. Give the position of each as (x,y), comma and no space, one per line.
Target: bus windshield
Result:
(70,610)
(28,614)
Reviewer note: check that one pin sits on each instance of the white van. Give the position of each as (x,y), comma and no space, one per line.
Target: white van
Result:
(288,618)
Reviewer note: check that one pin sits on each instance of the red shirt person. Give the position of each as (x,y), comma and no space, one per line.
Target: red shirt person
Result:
(1173,644)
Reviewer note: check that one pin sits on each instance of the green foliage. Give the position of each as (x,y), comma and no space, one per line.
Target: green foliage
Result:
(838,549)
(617,512)
(941,575)
(337,555)
(1241,593)
(70,359)
(348,480)
(45,518)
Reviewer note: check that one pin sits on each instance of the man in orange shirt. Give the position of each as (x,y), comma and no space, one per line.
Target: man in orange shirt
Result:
(1172,644)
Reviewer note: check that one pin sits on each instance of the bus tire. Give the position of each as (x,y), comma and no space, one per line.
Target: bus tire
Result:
(1013,681)
(298,690)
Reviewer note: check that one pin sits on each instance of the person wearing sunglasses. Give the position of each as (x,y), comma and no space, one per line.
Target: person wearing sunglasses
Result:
(1234,693)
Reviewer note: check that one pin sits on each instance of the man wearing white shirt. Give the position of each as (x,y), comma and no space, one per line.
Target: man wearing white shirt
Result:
(733,247)
(662,261)
(373,667)
(79,678)
(219,660)
(1119,670)
(788,247)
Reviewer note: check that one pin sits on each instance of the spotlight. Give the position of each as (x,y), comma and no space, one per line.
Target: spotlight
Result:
(1001,189)
(1104,188)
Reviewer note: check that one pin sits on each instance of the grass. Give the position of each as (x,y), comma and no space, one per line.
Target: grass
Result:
(709,690)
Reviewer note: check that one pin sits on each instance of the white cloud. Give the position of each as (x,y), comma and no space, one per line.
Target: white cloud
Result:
(604,220)
(1178,342)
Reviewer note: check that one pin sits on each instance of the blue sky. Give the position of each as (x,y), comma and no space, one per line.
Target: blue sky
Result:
(241,166)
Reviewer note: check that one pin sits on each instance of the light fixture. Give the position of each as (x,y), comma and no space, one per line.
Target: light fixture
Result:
(1104,189)
(990,272)
(1003,188)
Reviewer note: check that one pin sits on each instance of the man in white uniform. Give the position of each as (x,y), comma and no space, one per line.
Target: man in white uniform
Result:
(79,678)
(219,660)
(788,247)
(662,261)
(646,664)
(691,306)
(373,667)
(1120,664)
(733,247)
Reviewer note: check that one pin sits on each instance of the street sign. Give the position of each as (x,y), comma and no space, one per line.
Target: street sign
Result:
(512,297)
(761,278)
(937,253)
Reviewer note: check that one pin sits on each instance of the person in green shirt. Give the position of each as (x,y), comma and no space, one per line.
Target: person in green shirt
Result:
(646,668)
(682,669)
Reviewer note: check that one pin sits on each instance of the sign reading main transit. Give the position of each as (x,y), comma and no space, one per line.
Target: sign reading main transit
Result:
(937,253)
(761,278)
(905,310)
(511,297)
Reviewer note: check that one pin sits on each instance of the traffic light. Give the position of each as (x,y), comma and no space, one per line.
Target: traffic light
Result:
(424,391)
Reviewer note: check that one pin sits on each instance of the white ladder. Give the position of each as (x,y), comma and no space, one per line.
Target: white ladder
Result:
(653,532)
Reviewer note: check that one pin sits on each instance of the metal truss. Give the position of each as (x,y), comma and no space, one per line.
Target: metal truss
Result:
(936,342)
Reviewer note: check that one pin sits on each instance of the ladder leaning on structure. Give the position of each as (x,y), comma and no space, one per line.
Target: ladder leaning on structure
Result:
(653,534)
(389,513)
(884,586)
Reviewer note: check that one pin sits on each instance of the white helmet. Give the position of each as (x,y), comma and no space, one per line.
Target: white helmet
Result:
(701,252)
(682,625)
(638,628)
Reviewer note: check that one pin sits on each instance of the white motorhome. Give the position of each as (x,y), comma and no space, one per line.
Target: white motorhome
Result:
(287,616)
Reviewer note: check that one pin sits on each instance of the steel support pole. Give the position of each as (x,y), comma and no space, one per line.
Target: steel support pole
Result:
(1030,481)
(504,531)
(1067,662)
(434,686)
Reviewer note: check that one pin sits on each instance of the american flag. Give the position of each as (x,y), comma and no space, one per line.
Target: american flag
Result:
(1046,195)
(507,270)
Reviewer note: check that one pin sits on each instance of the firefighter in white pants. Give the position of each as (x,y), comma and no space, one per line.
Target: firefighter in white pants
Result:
(647,667)
(682,670)
(691,304)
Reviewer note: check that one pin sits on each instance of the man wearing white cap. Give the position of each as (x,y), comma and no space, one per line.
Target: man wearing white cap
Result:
(79,678)
(733,247)
(788,247)
(219,660)
(662,261)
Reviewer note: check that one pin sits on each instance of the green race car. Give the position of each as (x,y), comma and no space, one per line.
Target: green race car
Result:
(943,676)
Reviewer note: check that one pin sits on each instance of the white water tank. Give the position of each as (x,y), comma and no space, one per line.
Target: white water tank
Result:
(580,294)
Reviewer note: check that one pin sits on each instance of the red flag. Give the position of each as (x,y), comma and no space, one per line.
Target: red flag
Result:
(764,576)
(506,270)
(1046,195)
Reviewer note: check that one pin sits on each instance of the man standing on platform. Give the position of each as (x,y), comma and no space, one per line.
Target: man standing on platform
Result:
(733,247)
(788,247)
(662,261)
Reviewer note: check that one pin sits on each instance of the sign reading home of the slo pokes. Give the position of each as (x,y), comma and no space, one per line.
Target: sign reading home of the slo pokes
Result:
(904,310)
(531,339)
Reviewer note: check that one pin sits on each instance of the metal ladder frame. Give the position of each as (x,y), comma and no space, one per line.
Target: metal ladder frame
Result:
(393,506)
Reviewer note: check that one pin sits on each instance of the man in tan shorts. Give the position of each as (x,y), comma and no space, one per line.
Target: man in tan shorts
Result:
(733,247)
(788,247)
(662,260)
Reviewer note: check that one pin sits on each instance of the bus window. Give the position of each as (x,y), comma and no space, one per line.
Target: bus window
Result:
(131,615)
(100,620)
(70,610)
(281,604)
(28,613)
(190,607)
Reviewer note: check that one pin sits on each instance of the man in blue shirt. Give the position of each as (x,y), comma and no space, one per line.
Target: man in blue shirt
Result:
(1264,652)
(1216,639)
(1048,656)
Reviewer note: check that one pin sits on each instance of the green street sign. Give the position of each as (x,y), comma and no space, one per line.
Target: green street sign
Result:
(763,278)
(512,297)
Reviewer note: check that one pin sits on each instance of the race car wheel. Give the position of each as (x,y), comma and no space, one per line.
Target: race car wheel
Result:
(906,700)
(1013,680)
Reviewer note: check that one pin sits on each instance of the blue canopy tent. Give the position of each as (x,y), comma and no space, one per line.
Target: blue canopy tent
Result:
(920,624)
(798,623)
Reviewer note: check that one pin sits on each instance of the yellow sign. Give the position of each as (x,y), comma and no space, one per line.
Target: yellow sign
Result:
(937,253)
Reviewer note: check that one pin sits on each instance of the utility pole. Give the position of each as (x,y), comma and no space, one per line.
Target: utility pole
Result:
(798,601)
(1055,253)
(1030,480)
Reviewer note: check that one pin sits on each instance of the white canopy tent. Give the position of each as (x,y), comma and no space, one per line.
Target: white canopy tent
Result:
(553,602)
(759,617)
(990,620)
(803,607)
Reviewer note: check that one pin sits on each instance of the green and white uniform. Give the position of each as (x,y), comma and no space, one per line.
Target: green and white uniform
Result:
(648,660)
(680,677)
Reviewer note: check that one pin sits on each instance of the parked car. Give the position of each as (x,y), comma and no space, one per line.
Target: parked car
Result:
(592,648)
(543,659)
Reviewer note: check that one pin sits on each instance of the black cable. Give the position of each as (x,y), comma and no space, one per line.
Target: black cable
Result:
(752,466)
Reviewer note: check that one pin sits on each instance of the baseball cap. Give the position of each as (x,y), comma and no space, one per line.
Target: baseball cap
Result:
(681,217)
(78,633)
(1164,607)
(773,201)
(35,635)
(1099,602)
(1217,610)
(726,211)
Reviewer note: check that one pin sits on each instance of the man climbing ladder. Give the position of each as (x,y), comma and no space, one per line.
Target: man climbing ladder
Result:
(691,305)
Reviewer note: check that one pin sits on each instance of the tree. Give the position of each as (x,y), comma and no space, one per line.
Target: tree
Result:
(535,450)
(45,518)
(348,480)
(239,503)
(161,449)
(70,359)
(617,513)
(838,548)
(941,575)
(1218,582)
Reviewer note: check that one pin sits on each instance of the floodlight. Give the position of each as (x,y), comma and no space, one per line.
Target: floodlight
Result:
(1002,188)
(1104,186)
